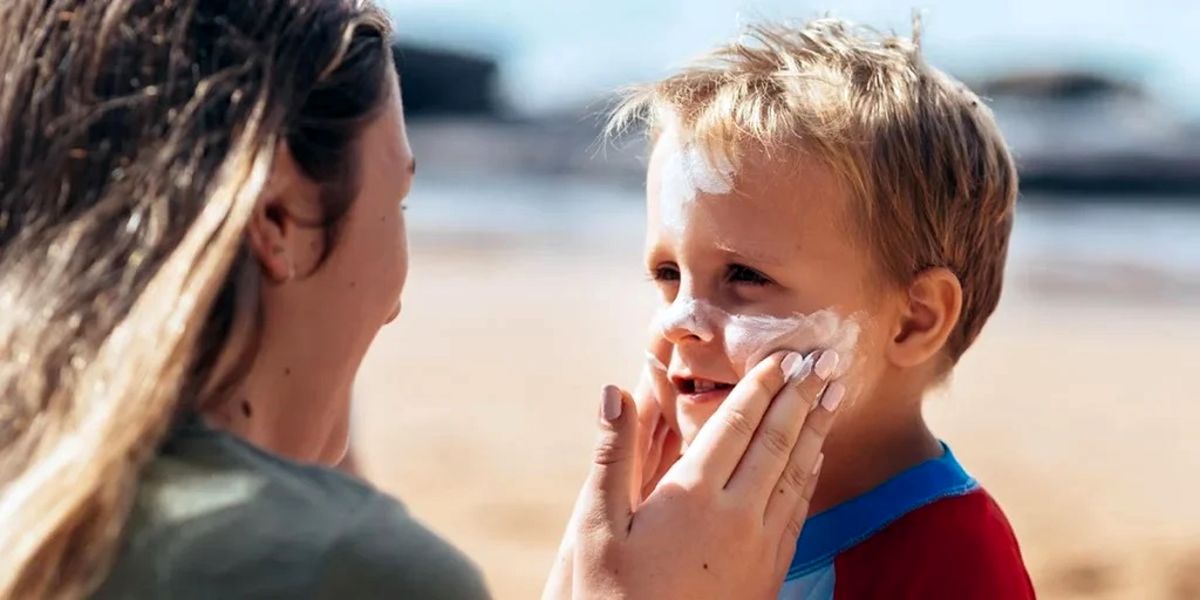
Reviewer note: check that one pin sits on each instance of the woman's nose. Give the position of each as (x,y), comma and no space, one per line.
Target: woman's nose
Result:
(687,319)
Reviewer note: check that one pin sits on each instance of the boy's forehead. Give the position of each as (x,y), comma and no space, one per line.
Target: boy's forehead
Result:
(797,184)
(802,183)
(777,208)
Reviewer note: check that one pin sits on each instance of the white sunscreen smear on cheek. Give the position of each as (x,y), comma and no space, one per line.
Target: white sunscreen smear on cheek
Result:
(748,339)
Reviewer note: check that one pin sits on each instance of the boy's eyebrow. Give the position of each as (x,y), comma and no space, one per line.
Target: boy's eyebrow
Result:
(750,253)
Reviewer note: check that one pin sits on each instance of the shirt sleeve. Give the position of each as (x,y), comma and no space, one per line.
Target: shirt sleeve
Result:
(384,553)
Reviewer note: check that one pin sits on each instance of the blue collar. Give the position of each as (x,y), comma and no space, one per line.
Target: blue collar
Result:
(830,533)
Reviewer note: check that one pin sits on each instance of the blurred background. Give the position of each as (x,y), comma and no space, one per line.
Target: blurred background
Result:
(1077,407)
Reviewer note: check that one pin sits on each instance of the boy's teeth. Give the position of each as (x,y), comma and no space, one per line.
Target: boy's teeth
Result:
(705,386)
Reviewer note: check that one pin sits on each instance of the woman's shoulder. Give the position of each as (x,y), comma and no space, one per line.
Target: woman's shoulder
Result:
(216,517)
(402,557)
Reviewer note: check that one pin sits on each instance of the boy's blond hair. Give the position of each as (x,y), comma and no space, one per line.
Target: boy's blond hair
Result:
(932,180)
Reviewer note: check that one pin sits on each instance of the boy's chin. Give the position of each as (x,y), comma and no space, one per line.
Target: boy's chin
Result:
(691,419)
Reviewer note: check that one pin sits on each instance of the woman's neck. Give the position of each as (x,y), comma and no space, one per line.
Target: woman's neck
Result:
(286,406)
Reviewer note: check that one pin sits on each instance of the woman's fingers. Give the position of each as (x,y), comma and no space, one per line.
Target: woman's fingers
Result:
(652,456)
(606,501)
(793,483)
(795,523)
(721,443)
(669,449)
(612,546)
(765,470)
(649,433)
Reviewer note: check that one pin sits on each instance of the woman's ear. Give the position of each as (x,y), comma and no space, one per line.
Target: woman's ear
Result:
(274,232)
(930,313)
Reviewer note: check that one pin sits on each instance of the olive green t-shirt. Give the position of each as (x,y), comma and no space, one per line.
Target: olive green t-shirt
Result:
(215,517)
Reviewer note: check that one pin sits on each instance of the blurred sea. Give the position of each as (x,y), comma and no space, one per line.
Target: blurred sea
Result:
(1141,249)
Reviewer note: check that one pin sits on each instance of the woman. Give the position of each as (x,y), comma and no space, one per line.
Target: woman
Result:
(200,235)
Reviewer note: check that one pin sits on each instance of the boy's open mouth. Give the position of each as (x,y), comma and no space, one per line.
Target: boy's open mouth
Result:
(696,386)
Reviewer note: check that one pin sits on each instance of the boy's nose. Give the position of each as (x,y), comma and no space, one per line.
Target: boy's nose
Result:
(688,319)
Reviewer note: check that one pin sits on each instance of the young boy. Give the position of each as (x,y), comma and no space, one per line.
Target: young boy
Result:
(821,188)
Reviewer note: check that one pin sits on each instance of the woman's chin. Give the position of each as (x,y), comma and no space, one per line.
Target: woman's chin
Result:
(335,453)
(395,314)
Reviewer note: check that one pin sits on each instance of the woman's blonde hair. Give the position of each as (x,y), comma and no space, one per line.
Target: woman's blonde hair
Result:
(932,181)
(135,139)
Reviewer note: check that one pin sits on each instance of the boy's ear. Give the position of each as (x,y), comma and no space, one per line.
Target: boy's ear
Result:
(931,311)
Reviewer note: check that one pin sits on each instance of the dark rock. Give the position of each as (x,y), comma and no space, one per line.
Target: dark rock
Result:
(445,82)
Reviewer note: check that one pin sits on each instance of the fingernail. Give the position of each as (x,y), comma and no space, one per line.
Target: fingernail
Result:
(610,408)
(833,396)
(826,364)
(820,462)
(796,366)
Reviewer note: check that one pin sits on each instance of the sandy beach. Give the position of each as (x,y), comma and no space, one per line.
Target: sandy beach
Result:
(1076,410)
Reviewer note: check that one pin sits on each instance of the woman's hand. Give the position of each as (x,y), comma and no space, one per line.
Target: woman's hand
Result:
(657,447)
(724,519)
(659,444)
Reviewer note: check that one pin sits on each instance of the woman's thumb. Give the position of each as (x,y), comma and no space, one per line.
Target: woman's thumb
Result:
(610,483)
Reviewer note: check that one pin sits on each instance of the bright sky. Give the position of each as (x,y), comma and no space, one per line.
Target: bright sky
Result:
(560,52)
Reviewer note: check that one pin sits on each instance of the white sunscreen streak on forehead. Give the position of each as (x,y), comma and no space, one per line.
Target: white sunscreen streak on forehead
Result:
(748,339)
(687,170)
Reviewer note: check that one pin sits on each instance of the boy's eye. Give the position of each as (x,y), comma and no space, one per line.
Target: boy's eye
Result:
(665,273)
(744,274)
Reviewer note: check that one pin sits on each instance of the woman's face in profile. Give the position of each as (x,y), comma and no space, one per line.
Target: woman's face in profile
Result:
(371,251)
(322,323)
(357,289)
